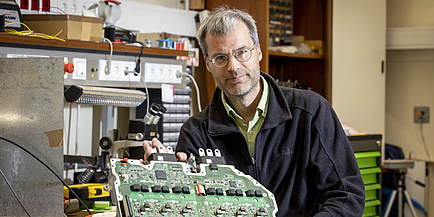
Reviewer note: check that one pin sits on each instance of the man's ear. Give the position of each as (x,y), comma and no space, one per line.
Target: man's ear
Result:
(206,63)
(259,52)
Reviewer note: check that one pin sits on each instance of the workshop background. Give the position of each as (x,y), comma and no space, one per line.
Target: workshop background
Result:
(404,84)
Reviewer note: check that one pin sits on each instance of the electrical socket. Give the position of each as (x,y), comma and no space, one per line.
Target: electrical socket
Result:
(162,73)
(117,71)
(421,114)
(73,7)
(80,66)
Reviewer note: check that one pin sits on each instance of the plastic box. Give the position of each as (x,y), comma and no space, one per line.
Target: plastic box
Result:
(371,208)
(367,159)
(369,176)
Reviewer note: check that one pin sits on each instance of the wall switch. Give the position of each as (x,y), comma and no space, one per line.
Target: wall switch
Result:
(421,114)
(80,67)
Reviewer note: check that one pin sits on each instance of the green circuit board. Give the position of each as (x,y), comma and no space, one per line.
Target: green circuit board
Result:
(170,189)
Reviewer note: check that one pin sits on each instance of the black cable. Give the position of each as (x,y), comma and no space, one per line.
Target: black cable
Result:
(9,184)
(137,69)
(49,168)
(137,72)
(415,181)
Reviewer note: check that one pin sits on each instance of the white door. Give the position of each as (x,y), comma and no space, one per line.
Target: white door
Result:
(358,55)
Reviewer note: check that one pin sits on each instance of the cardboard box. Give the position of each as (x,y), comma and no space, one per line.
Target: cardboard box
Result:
(315,46)
(72,26)
(197,4)
(297,40)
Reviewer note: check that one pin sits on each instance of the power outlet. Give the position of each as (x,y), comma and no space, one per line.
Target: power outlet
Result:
(421,114)
(117,71)
(162,73)
(72,7)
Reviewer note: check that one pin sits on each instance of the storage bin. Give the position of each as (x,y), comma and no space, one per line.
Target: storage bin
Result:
(369,175)
(367,159)
(371,208)
(372,191)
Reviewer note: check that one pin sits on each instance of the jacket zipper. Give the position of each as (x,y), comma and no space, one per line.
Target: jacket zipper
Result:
(254,170)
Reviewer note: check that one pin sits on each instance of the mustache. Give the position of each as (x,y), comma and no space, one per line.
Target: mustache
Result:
(236,73)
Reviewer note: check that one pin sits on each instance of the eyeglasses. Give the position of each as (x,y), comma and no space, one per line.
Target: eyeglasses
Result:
(241,55)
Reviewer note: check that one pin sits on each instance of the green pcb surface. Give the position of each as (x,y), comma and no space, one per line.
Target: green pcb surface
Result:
(170,189)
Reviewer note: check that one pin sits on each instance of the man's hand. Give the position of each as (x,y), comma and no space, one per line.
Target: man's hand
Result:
(159,147)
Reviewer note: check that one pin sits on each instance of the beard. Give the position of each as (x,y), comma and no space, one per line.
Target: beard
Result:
(240,89)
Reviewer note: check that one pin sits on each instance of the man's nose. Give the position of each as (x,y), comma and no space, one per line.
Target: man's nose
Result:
(233,64)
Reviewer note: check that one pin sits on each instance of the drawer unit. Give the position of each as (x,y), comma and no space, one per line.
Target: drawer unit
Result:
(372,191)
(367,159)
(367,150)
(370,175)
(371,208)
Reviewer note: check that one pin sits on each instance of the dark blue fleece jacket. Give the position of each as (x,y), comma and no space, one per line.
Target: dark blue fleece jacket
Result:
(302,154)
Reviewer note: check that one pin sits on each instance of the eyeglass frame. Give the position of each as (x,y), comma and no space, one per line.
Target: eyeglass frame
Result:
(234,55)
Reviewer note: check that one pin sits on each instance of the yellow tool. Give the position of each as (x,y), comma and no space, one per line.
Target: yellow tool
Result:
(87,191)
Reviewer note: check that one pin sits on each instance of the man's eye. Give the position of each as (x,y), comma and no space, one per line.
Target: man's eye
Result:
(242,52)
(220,58)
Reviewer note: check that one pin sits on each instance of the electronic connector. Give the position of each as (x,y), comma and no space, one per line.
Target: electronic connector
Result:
(210,157)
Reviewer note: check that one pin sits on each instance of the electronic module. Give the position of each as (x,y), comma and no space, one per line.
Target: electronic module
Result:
(171,188)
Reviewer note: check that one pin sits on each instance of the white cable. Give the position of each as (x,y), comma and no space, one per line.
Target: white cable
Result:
(180,74)
(69,128)
(107,69)
(144,82)
(147,94)
(77,129)
(424,143)
(146,88)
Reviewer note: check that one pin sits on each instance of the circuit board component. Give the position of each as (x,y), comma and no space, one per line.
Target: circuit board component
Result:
(164,188)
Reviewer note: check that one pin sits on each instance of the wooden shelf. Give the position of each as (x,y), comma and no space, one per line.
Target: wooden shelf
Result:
(11,40)
(272,53)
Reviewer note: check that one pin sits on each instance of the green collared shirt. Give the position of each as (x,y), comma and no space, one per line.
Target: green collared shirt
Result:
(250,130)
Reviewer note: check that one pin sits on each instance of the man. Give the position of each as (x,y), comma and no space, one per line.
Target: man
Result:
(290,140)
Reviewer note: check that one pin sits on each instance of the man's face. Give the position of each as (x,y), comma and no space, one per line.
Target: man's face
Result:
(236,78)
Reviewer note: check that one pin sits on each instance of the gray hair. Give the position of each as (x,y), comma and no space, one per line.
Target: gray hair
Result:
(222,21)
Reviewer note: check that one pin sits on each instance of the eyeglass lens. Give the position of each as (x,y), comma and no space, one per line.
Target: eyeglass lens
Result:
(240,55)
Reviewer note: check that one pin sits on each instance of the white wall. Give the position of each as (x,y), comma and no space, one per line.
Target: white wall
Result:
(409,83)
(180,4)
(144,16)
(405,13)
(154,18)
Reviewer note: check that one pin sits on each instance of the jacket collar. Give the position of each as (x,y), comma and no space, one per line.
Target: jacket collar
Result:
(278,110)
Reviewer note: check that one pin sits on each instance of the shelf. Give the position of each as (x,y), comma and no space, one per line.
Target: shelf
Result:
(11,40)
(272,53)
(410,38)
